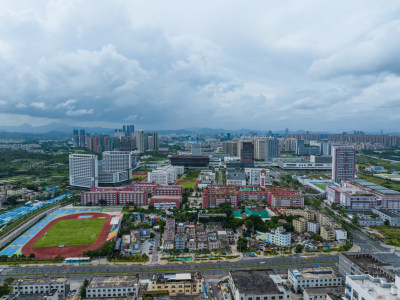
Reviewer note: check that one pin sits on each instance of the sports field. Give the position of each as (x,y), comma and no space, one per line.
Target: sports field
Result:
(321,186)
(72,232)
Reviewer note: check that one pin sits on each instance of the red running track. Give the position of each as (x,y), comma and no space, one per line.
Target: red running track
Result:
(67,251)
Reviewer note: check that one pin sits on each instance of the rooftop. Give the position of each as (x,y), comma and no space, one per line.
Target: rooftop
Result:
(390,213)
(377,288)
(39,281)
(370,264)
(117,281)
(254,282)
(326,272)
(235,176)
(176,277)
(337,290)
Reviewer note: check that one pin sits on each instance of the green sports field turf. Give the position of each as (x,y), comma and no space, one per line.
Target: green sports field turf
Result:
(188,185)
(72,232)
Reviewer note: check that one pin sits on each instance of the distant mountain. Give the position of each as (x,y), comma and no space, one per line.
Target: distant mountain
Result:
(61,129)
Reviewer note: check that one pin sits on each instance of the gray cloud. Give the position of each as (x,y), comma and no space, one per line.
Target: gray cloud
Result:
(173,65)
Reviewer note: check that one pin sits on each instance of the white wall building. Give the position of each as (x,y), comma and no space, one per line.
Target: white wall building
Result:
(116,286)
(41,285)
(279,237)
(313,227)
(116,161)
(371,288)
(165,175)
(196,148)
(83,170)
(341,234)
(313,277)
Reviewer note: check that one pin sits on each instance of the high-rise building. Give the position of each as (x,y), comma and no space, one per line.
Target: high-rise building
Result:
(247,154)
(343,163)
(230,147)
(271,148)
(196,148)
(140,141)
(153,142)
(75,138)
(116,161)
(125,143)
(130,130)
(83,170)
(92,143)
(82,138)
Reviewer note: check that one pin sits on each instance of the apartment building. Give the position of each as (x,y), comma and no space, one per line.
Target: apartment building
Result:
(279,237)
(300,225)
(343,163)
(328,233)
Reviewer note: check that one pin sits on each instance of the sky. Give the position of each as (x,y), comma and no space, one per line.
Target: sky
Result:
(266,65)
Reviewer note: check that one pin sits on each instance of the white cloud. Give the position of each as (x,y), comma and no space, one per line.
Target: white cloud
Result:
(40,105)
(3,102)
(79,112)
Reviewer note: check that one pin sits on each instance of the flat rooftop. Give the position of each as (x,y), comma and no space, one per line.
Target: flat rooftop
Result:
(326,272)
(337,290)
(254,283)
(110,282)
(236,176)
(376,288)
(390,213)
(40,281)
(370,264)
(176,277)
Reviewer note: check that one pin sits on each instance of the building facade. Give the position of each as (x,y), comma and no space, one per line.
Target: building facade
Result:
(83,171)
(343,163)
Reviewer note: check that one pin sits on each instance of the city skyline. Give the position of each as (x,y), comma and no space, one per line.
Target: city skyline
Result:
(311,66)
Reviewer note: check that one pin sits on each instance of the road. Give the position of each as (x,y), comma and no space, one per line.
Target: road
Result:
(278,263)
(154,257)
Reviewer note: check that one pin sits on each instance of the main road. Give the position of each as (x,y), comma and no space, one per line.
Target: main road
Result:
(278,263)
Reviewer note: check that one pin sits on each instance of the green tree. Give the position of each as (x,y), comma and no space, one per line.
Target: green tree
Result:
(355,220)
(386,223)
(242,244)
(317,237)
(83,288)
(102,202)
(299,248)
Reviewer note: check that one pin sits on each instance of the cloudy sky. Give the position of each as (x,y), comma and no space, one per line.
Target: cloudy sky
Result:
(267,65)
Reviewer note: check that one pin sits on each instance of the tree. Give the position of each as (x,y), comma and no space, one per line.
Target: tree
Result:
(317,237)
(249,224)
(83,288)
(299,248)
(386,223)
(242,244)
(102,202)
(355,220)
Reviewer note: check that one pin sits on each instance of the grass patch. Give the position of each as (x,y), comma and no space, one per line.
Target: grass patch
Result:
(188,185)
(391,234)
(139,177)
(72,232)
(321,186)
